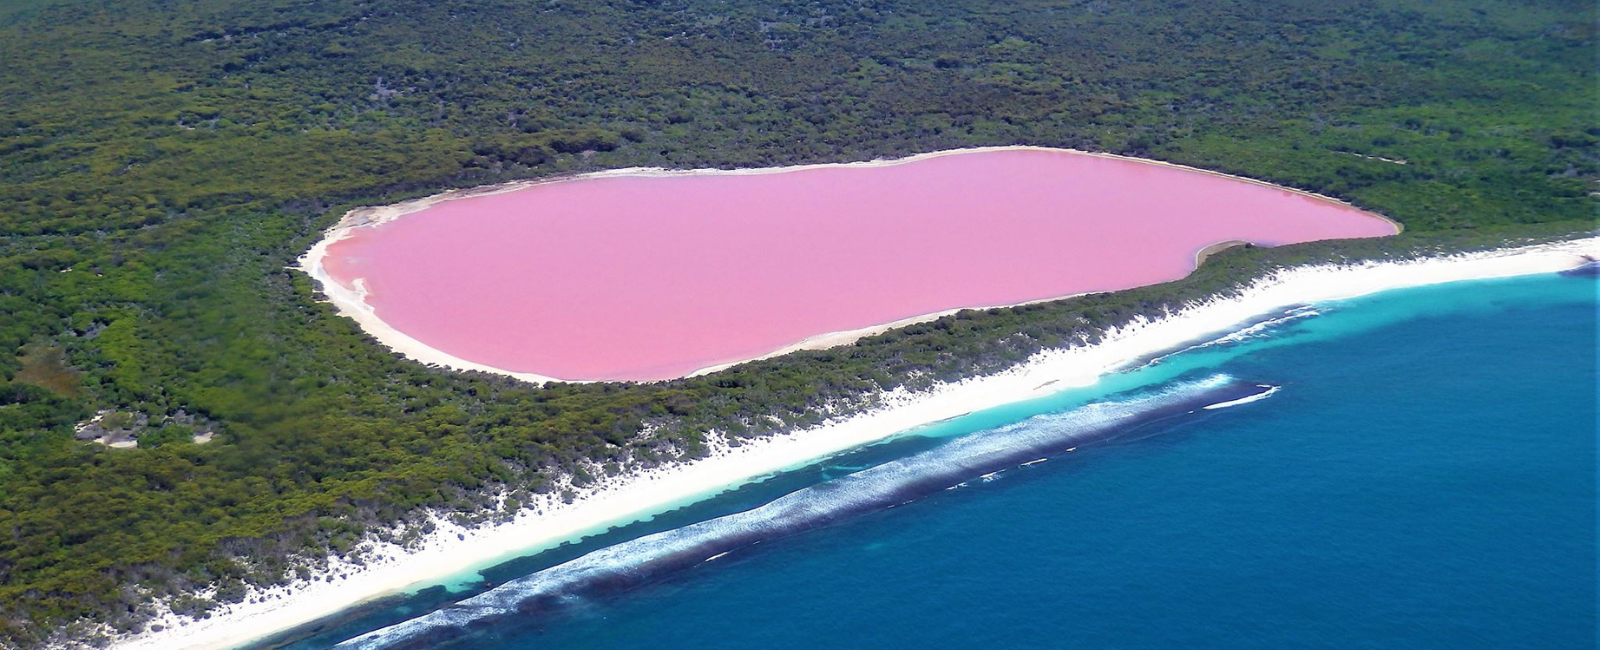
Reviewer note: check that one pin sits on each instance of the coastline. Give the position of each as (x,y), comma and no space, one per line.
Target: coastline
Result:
(450,550)
(351,301)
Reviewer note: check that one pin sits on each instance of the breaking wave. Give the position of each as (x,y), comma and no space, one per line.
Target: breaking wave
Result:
(1257,330)
(649,558)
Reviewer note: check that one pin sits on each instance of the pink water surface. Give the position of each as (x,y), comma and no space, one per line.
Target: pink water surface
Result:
(643,278)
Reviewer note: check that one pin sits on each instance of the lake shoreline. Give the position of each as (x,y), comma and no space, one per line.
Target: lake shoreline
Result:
(350,297)
(451,550)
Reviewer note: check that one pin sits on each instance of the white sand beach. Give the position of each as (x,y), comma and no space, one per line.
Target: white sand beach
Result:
(451,550)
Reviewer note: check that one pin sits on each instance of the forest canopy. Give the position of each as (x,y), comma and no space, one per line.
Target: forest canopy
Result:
(162,165)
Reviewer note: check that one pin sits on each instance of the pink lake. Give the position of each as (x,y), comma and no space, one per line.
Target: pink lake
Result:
(654,277)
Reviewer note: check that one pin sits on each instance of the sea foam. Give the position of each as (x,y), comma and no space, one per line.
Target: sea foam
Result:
(645,559)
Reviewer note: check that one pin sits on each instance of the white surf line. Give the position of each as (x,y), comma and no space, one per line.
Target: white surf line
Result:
(1243,400)
(641,560)
(451,550)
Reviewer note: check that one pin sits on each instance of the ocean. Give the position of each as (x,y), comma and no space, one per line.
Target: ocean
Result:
(1424,476)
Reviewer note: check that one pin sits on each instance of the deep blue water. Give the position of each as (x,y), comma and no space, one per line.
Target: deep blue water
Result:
(1425,478)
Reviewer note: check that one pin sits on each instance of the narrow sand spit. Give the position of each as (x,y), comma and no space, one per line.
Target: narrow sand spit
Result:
(495,334)
(1207,252)
(451,550)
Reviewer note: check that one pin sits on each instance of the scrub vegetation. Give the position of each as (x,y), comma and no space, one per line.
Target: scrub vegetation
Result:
(163,163)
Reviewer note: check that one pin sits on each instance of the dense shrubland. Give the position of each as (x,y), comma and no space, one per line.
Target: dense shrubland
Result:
(162,164)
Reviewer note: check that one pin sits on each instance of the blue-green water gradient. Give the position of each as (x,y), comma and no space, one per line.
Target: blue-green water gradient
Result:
(1425,478)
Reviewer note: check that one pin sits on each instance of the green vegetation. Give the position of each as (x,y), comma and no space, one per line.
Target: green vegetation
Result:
(161,164)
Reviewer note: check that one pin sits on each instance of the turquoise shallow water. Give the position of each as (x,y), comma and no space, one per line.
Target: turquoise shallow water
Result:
(1425,478)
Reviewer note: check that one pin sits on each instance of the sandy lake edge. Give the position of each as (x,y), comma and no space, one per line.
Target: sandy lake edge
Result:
(451,550)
